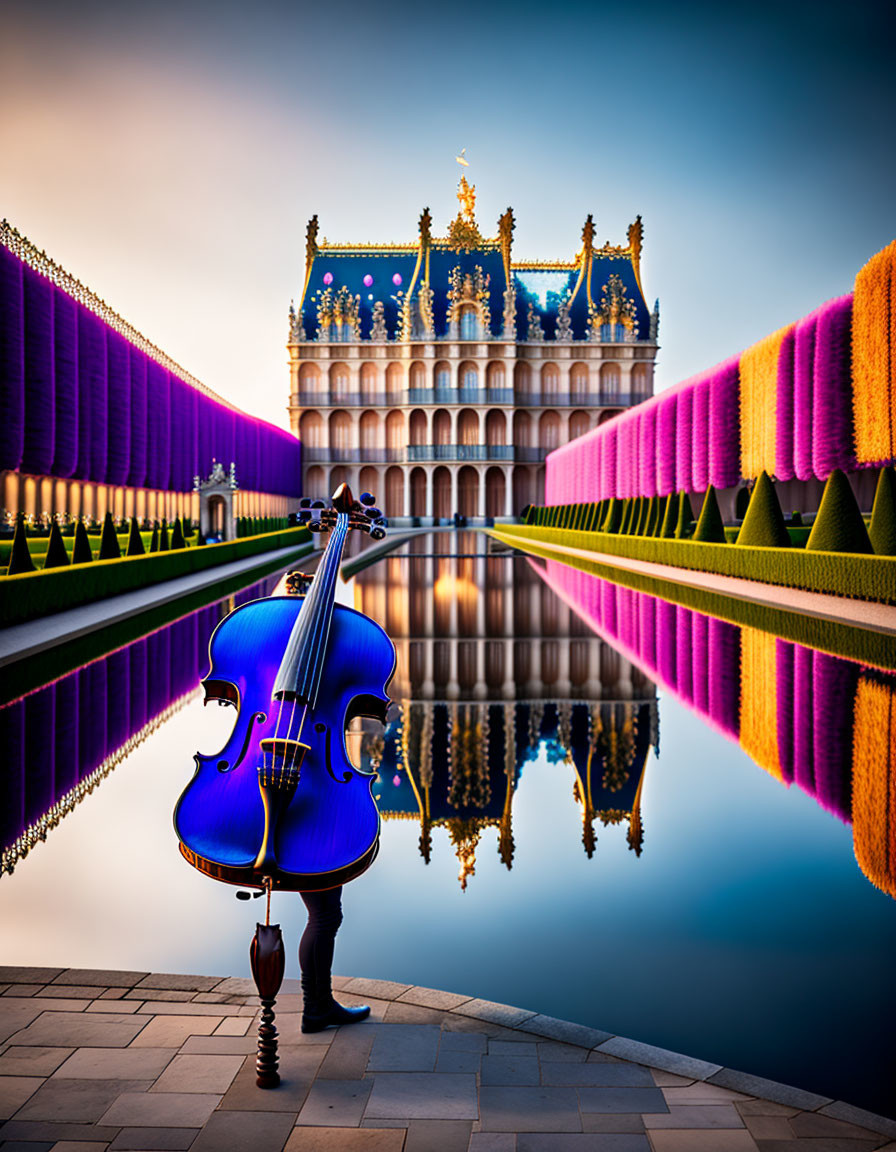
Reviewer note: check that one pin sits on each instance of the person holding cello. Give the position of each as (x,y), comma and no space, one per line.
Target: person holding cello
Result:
(281,807)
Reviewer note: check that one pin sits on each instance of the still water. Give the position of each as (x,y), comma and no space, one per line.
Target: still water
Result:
(596,805)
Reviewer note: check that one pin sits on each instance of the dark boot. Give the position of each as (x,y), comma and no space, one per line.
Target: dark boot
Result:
(321,1011)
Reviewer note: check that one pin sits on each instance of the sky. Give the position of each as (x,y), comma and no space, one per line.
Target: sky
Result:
(170,155)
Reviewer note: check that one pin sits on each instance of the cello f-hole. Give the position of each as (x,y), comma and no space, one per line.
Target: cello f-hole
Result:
(260,717)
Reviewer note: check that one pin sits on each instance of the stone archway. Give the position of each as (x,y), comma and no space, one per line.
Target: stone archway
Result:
(216,519)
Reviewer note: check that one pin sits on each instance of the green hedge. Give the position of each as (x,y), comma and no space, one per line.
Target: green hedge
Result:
(852,643)
(35,594)
(832,573)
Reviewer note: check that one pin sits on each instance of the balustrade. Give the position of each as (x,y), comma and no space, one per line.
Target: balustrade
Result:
(473,396)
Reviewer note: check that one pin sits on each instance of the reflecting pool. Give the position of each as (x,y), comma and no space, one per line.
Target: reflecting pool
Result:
(596,804)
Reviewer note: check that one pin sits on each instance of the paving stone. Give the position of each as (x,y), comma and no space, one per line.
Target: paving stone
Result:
(157,1139)
(769,1128)
(14,974)
(670,1080)
(216,998)
(32,1060)
(99,978)
(706,1140)
(764,1108)
(463,1042)
(696,1116)
(701,1093)
(298,1067)
(16,1017)
(768,1089)
(423,1096)
(245,1132)
(31,1133)
(43,1003)
(613,1122)
(77,1101)
(112,993)
(346,1140)
(581,1142)
(852,1115)
(675,1062)
(495,1013)
(379,989)
(199,1074)
(566,1031)
(14,1091)
(169,995)
(335,1103)
(220,1045)
(237,986)
(540,1109)
(830,1144)
(493,1142)
(398,1012)
(557,1052)
(181,983)
(172,1031)
(121,1007)
(189,1008)
(404,1048)
(451,1060)
(68,992)
(620,1099)
(597,1057)
(80,1146)
(348,1052)
(27,1146)
(438,1136)
(23,990)
(520,1070)
(432,998)
(511,1048)
(160,1109)
(80,1030)
(110,1063)
(616,1075)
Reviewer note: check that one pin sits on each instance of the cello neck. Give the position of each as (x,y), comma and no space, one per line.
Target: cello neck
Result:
(300,669)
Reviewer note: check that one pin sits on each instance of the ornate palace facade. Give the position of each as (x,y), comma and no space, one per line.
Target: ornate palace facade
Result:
(438,374)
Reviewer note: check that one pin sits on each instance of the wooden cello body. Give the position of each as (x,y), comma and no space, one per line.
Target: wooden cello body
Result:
(281,805)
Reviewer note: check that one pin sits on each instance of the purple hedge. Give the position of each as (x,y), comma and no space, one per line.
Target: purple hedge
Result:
(699,426)
(832,413)
(119,400)
(40,376)
(784,409)
(803,399)
(139,420)
(65,335)
(12,361)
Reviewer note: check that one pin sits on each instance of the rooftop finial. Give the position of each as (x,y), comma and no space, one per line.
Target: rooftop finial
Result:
(466,196)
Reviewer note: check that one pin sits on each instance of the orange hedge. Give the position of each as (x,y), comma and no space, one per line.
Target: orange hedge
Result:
(874,359)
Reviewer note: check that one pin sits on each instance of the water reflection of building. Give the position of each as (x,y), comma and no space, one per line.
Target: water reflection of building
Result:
(493,668)
(808,718)
(63,739)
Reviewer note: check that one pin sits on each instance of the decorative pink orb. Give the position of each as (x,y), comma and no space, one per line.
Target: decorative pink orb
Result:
(396,779)
(328,277)
(396,279)
(368,280)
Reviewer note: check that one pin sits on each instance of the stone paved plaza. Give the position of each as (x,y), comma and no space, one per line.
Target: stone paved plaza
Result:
(91,1060)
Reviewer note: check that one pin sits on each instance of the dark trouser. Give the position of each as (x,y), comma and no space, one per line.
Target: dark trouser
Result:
(316,947)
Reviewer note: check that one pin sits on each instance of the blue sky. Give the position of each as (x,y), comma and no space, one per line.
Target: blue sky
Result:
(170,155)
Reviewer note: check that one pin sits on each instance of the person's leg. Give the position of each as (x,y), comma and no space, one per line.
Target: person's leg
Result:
(316,961)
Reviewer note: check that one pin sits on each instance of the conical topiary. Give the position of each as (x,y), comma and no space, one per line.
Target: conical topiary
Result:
(710,527)
(188,527)
(56,556)
(685,517)
(882,531)
(82,553)
(20,557)
(200,539)
(109,549)
(661,502)
(177,535)
(763,525)
(613,516)
(164,545)
(670,519)
(839,526)
(154,539)
(136,546)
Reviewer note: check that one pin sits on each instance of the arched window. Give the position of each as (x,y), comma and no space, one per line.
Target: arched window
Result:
(609,379)
(468,376)
(469,326)
(442,375)
(347,333)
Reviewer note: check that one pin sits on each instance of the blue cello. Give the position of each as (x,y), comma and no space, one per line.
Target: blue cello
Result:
(281,806)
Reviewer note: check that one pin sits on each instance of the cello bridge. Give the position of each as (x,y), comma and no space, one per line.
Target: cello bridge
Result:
(281,761)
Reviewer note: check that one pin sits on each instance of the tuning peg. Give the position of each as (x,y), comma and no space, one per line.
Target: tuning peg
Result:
(377,533)
(381,522)
(368,498)
(318,504)
(305,502)
(372,513)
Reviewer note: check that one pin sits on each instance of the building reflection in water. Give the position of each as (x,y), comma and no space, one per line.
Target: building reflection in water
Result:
(821,722)
(63,739)
(492,669)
